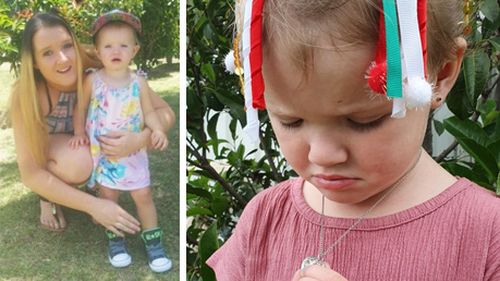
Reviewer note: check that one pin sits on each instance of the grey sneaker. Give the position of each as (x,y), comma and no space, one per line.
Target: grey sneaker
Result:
(157,259)
(117,251)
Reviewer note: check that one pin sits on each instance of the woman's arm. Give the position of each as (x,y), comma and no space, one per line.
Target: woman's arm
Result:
(158,137)
(163,109)
(47,185)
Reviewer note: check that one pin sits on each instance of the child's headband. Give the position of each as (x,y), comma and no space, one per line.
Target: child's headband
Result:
(398,70)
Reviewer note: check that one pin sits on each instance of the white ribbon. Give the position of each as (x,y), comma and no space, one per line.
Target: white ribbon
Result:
(417,91)
(410,38)
(251,130)
(252,127)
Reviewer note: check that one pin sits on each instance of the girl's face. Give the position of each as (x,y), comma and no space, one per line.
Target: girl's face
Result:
(55,57)
(334,133)
(116,47)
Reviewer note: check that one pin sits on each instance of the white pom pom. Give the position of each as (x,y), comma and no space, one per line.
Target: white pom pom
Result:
(418,92)
(229,62)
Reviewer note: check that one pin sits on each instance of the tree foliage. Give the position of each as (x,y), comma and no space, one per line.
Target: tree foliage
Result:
(475,101)
(160,20)
(216,197)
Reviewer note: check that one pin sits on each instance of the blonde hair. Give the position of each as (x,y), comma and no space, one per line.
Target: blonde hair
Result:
(25,100)
(296,26)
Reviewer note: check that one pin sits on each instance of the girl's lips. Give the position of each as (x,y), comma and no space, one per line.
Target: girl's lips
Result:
(332,182)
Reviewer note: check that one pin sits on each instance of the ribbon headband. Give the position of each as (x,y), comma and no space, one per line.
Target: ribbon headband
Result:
(398,70)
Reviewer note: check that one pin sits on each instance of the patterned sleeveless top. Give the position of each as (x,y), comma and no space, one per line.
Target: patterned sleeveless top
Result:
(116,109)
(60,117)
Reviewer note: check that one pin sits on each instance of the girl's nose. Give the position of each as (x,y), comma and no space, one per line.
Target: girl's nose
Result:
(326,151)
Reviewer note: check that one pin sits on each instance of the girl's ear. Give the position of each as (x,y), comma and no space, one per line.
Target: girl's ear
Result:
(448,74)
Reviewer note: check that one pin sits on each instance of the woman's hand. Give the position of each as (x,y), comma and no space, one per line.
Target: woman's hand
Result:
(119,144)
(113,217)
(318,273)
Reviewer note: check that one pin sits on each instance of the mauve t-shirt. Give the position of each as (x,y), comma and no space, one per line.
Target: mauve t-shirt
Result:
(453,236)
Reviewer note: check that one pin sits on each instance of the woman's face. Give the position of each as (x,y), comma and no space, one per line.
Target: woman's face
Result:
(55,57)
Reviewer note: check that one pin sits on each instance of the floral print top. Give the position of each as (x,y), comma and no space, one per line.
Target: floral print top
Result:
(116,109)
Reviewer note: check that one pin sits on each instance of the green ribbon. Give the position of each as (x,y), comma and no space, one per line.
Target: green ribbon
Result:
(394,76)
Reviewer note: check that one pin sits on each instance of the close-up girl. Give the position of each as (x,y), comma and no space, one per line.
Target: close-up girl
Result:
(348,87)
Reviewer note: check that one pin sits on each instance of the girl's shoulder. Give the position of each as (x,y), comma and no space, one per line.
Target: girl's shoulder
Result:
(141,78)
(480,214)
(478,194)
(277,189)
(90,74)
(267,199)
(479,203)
(268,207)
(89,78)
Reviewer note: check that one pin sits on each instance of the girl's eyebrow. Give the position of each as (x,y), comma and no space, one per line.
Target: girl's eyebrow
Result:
(374,102)
(377,106)
(280,112)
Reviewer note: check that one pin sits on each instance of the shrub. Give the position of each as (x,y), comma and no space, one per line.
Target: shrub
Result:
(160,21)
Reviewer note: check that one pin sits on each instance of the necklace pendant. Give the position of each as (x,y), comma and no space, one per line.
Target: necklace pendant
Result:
(308,261)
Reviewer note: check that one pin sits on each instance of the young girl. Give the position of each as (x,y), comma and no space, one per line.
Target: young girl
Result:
(118,102)
(369,203)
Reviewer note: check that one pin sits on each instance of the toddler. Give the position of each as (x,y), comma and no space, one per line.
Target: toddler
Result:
(117,99)
(348,93)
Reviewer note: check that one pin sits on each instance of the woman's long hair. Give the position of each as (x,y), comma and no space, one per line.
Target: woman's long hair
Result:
(25,99)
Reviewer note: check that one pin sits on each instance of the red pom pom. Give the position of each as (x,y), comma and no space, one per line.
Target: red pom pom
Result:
(377,78)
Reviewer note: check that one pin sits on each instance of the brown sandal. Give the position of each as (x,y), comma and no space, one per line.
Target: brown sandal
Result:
(54,213)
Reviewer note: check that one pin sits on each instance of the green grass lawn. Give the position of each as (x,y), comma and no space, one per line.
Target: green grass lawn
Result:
(30,253)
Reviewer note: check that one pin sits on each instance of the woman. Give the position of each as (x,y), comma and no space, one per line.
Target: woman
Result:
(52,66)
